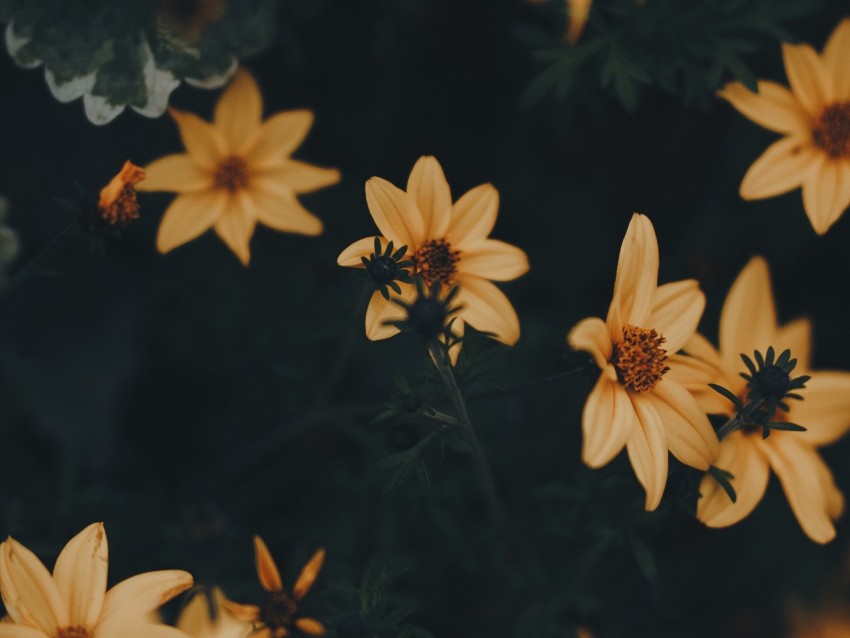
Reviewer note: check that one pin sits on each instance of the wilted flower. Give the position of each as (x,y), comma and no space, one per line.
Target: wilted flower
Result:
(237,172)
(447,244)
(279,614)
(118,204)
(747,323)
(815,119)
(634,404)
(73,602)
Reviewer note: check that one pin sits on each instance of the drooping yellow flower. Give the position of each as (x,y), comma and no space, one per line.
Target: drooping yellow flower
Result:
(447,243)
(747,323)
(634,404)
(118,204)
(237,172)
(815,119)
(278,616)
(73,601)
(577,13)
(196,619)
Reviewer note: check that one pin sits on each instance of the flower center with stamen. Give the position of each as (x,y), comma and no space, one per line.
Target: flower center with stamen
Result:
(123,210)
(73,632)
(639,359)
(231,174)
(278,611)
(832,130)
(436,261)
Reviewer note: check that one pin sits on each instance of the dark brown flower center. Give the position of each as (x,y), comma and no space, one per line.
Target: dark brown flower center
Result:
(123,210)
(436,261)
(73,632)
(278,611)
(832,130)
(639,358)
(231,174)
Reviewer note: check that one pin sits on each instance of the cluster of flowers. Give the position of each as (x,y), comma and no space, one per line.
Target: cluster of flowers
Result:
(659,379)
(73,602)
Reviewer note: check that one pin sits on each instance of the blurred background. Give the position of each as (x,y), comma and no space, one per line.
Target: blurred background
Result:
(189,402)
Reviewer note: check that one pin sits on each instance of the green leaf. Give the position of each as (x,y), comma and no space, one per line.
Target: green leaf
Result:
(644,558)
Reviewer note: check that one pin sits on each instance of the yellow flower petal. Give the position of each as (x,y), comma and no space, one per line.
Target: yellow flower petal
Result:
(308,575)
(188,216)
(178,172)
(835,56)
(607,422)
(299,177)
(132,628)
(381,310)
(195,618)
(29,593)
(351,256)
(10,630)
(428,187)
(690,437)
(647,449)
(267,570)
(141,594)
(797,337)
(825,410)
(239,110)
(274,205)
(236,227)
(485,308)
(694,375)
(473,215)
(774,107)
(278,137)
(591,335)
(807,483)
(676,311)
(242,613)
(748,318)
(203,142)
(637,276)
(749,468)
(395,213)
(783,167)
(808,77)
(310,626)
(493,259)
(826,192)
(80,575)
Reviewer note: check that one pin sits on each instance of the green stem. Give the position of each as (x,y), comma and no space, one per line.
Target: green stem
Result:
(739,420)
(479,460)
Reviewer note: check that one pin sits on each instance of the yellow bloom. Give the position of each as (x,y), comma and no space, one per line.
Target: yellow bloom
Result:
(747,323)
(236,172)
(73,602)
(279,615)
(633,403)
(195,618)
(447,243)
(118,204)
(815,119)
(577,13)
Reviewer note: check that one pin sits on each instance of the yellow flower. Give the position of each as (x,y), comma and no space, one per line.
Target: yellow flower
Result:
(577,13)
(277,617)
(236,172)
(815,119)
(633,403)
(195,618)
(118,204)
(73,602)
(447,243)
(747,323)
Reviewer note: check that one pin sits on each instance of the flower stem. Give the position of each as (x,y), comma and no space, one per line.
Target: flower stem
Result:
(479,460)
(347,347)
(739,420)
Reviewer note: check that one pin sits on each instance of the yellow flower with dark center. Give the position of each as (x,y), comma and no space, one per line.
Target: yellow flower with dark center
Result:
(635,403)
(747,323)
(118,204)
(204,618)
(447,243)
(73,601)
(278,616)
(815,119)
(237,172)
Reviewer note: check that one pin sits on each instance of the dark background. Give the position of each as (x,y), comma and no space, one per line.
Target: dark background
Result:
(183,399)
